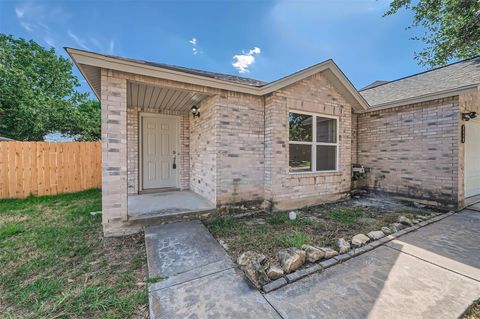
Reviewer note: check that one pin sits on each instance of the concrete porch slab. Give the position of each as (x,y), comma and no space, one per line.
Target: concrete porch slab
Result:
(166,204)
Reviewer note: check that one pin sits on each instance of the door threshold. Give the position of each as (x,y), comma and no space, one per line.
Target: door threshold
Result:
(159,190)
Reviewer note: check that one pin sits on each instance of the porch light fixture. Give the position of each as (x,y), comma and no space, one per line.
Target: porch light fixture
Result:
(195,111)
(469,115)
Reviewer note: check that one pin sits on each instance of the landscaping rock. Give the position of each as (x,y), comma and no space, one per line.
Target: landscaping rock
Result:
(343,245)
(313,254)
(386,230)
(422,217)
(249,256)
(329,252)
(256,273)
(359,240)
(376,234)
(291,259)
(274,272)
(254,266)
(396,227)
(415,221)
(405,221)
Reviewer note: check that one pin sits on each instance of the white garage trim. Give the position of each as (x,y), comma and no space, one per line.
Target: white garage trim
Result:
(472,158)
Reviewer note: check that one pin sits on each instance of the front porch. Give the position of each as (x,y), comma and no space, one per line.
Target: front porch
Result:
(166,204)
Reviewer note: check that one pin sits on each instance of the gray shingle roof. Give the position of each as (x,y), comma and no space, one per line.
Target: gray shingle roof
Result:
(373,84)
(214,75)
(453,76)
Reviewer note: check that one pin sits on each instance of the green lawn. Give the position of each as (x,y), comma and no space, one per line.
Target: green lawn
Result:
(55,262)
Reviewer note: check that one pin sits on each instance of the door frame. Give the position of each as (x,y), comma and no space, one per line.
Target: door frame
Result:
(476,121)
(175,118)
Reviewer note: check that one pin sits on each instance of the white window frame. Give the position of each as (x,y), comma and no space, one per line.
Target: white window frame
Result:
(314,143)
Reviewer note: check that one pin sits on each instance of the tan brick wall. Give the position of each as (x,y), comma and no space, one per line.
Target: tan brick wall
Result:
(317,95)
(412,150)
(114,152)
(203,151)
(354,138)
(240,144)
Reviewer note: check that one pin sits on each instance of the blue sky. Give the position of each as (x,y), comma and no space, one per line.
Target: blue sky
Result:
(264,40)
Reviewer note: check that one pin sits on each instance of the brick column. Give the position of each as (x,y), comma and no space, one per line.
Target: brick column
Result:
(114,153)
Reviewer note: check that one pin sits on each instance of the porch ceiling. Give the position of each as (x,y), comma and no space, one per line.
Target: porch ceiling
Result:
(161,98)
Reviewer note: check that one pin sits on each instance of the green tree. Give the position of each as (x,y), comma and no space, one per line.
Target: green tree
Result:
(85,124)
(452,28)
(37,91)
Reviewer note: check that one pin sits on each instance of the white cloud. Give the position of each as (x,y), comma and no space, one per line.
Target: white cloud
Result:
(193,42)
(111,46)
(20,12)
(243,61)
(79,41)
(50,41)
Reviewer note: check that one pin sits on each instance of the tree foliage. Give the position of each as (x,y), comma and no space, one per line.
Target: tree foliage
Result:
(85,124)
(38,94)
(452,28)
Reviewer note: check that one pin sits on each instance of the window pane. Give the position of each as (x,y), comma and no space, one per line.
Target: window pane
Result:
(300,159)
(300,127)
(326,158)
(326,130)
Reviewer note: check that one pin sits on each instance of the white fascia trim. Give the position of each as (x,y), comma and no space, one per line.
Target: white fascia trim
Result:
(425,98)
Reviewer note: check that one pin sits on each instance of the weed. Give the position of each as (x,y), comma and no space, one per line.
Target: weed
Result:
(10,230)
(346,215)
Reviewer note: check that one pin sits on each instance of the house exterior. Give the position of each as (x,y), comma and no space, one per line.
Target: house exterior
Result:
(288,143)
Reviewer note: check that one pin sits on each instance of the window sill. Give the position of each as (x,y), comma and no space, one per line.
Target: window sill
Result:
(314,174)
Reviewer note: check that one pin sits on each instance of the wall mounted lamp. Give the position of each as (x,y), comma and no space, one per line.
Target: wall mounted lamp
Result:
(469,115)
(195,112)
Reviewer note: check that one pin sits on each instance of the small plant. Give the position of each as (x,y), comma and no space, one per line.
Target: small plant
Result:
(220,226)
(10,230)
(346,215)
(297,239)
(278,218)
(154,280)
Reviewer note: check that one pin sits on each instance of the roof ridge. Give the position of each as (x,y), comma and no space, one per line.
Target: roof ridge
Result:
(420,73)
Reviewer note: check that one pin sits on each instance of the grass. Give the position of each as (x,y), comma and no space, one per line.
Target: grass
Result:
(346,215)
(473,312)
(318,226)
(56,263)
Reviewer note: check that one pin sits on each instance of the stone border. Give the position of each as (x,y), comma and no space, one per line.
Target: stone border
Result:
(327,263)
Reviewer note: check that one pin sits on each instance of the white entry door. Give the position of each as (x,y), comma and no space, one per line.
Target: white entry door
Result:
(159,135)
(472,158)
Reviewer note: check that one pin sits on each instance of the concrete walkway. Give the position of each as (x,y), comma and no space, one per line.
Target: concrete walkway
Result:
(433,272)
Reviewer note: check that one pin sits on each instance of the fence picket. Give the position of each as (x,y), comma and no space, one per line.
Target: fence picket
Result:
(43,168)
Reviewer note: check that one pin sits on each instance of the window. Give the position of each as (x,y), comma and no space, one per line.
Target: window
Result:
(313,144)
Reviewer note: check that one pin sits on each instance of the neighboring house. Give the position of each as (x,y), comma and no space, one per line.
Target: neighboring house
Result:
(289,143)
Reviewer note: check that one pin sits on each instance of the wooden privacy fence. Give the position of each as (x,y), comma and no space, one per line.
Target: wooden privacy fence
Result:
(43,168)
